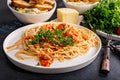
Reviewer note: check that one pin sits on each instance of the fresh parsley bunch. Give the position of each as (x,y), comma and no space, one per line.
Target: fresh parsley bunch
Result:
(105,16)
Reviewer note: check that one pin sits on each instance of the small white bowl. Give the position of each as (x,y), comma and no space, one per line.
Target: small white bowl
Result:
(32,18)
(82,8)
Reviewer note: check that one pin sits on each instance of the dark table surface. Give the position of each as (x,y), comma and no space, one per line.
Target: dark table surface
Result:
(8,71)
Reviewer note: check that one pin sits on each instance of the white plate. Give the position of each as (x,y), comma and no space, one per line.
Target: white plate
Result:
(56,67)
(103,34)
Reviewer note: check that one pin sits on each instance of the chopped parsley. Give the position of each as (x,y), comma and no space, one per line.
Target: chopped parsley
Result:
(52,37)
(38,64)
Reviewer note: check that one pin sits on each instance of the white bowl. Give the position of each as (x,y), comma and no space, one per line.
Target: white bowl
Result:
(31,18)
(82,8)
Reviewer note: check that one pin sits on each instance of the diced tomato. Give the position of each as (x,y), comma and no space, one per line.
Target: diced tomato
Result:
(61,26)
(47,45)
(71,32)
(44,60)
(29,37)
(37,45)
(47,27)
(118,31)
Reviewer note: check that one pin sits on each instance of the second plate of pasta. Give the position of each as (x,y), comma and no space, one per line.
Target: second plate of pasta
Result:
(52,47)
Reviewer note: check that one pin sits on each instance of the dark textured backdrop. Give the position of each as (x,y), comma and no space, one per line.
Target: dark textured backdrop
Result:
(8,71)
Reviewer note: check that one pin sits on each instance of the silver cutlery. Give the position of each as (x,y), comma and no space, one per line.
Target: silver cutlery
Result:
(116,49)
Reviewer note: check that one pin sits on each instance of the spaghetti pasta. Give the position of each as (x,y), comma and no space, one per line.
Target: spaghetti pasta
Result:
(55,41)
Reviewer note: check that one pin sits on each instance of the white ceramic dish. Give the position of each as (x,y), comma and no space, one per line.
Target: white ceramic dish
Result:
(31,18)
(103,34)
(80,9)
(56,67)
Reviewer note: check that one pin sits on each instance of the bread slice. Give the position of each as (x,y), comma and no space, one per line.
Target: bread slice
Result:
(44,6)
(21,4)
(47,5)
(39,1)
(51,2)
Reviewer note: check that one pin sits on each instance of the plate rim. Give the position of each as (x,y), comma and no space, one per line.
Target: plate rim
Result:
(104,34)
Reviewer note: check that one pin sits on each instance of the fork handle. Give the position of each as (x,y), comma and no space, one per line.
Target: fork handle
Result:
(105,67)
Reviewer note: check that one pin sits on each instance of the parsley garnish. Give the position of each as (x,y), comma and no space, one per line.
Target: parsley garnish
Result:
(52,37)
(38,64)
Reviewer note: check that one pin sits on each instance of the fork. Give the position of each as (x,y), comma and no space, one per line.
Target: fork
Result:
(105,67)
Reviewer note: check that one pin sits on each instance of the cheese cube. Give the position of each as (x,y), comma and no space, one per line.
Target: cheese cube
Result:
(67,15)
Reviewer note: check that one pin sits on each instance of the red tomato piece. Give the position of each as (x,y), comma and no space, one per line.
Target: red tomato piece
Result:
(118,31)
(29,37)
(61,26)
(46,59)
